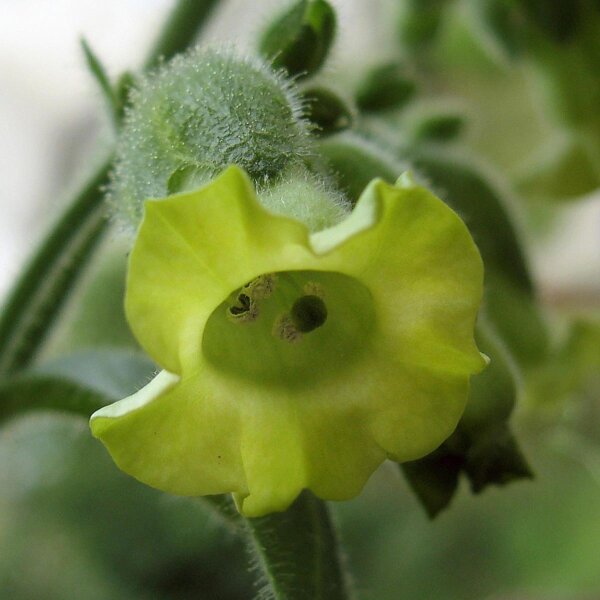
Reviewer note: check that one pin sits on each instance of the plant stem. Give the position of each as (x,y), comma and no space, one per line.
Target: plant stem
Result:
(184,24)
(298,552)
(43,287)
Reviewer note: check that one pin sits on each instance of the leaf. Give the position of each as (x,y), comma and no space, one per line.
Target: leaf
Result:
(99,73)
(563,170)
(36,300)
(437,127)
(79,384)
(185,22)
(298,553)
(385,87)
(327,110)
(299,40)
(354,162)
(419,23)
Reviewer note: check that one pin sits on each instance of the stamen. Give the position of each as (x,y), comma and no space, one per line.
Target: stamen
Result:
(312,288)
(244,311)
(285,329)
(262,287)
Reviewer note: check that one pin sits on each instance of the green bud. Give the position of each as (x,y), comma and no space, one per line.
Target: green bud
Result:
(300,39)
(198,114)
(438,127)
(327,110)
(385,87)
(419,22)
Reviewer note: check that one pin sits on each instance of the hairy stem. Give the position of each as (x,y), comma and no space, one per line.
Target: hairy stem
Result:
(298,553)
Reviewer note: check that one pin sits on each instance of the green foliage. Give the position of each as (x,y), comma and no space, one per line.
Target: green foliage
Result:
(299,40)
(327,110)
(419,23)
(98,72)
(437,127)
(35,303)
(354,162)
(79,384)
(385,87)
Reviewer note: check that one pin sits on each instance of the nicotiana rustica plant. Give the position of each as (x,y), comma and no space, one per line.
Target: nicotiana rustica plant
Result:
(302,344)
(305,280)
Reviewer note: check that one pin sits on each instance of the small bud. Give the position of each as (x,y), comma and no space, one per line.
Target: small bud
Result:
(419,22)
(300,39)
(385,87)
(438,127)
(327,110)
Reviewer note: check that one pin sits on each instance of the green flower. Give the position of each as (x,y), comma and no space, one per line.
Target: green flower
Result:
(294,360)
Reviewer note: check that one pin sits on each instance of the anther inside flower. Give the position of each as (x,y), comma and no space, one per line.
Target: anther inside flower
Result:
(294,360)
(291,337)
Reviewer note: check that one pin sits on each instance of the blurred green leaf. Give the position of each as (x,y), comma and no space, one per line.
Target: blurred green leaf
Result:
(98,72)
(469,192)
(79,384)
(572,369)
(517,318)
(299,40)
(437,127)
(328,111)
(44,285)
(385,87)
(354,162)
(563,170)
(419,22)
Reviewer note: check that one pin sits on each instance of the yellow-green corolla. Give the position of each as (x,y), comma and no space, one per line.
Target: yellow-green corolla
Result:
(294,360)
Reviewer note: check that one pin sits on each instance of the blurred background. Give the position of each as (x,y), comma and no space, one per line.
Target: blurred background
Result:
(72,526)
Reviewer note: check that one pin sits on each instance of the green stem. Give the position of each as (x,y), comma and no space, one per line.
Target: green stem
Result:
(35,302)
(43,287)
(298,553)
(181,29)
